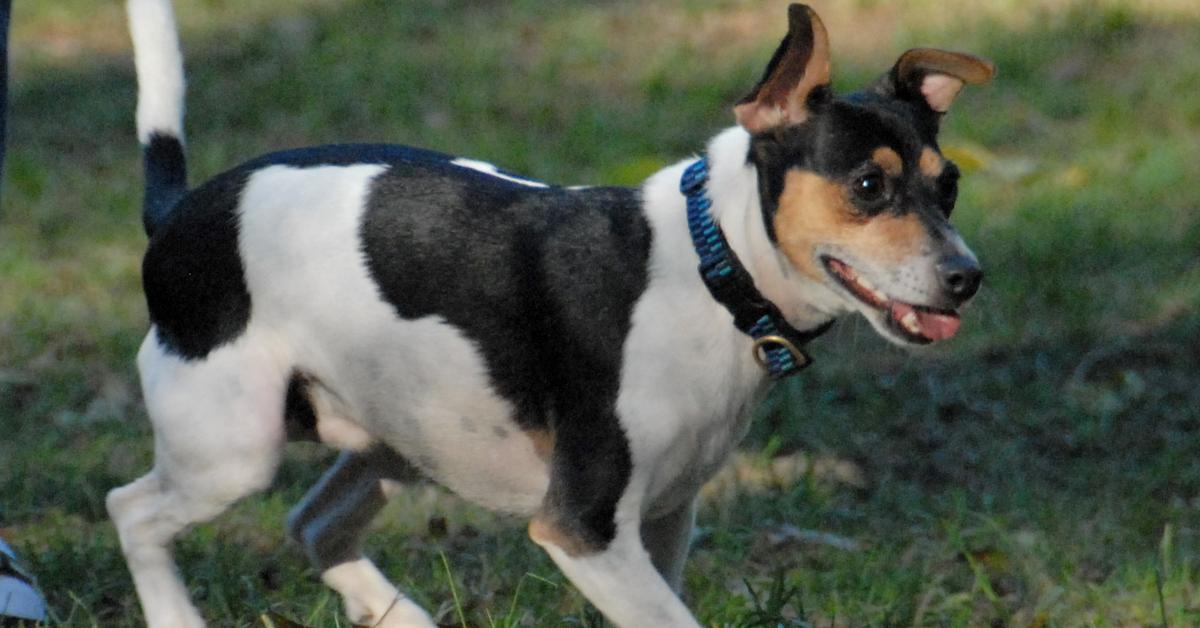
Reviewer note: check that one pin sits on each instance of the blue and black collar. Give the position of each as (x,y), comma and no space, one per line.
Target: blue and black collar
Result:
(778,347)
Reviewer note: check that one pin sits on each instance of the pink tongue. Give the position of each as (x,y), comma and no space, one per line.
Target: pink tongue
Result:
(938,326)
(933,326)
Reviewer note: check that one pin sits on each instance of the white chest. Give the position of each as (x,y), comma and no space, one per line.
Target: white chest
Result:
(687,394)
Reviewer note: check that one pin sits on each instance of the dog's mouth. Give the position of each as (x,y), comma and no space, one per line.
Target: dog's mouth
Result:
(918,324)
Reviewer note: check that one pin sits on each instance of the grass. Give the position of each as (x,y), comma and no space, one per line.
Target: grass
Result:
(1041,469)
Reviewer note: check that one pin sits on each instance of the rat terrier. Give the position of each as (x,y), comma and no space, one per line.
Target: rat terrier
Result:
(545,351)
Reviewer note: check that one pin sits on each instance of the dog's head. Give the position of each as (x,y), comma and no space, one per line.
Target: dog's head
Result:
(855,192)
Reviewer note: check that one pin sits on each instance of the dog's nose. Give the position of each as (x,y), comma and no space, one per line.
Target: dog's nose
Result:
(960,276)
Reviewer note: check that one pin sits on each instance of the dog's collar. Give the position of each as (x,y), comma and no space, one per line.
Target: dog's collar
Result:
(778,347)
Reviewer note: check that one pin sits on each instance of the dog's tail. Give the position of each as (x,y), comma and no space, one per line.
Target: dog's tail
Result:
(159,65)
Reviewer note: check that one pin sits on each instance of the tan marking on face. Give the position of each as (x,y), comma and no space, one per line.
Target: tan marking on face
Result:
(543,443)
(889,161)
(545,532)
(815,211)
(931,163)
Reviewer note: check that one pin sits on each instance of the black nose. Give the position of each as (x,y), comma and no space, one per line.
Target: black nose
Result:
(960,276)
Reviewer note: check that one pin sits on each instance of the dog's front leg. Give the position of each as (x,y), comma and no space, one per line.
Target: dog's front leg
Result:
(590,524)
(619,579)
(668,538)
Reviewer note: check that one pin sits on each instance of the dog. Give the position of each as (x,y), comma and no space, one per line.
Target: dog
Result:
(582,357)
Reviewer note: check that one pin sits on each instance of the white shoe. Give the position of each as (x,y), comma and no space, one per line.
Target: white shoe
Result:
(18,598)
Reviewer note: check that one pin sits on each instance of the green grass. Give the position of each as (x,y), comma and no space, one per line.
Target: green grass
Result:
(1040,469)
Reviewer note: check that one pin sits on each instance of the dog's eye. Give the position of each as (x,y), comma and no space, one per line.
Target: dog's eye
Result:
(869,187)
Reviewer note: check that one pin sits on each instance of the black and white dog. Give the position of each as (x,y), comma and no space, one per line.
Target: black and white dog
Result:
(545,351)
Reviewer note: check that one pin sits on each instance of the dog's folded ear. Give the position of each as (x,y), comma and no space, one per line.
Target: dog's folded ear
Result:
(798,71)
(933,77)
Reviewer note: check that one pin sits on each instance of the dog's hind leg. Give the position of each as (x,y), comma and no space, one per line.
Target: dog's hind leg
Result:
(329,523)
(218,435)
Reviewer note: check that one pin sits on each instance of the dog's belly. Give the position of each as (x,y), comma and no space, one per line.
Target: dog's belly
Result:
(420,386)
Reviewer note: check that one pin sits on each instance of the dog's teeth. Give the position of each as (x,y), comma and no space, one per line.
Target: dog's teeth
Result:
(870,289)
(910,322)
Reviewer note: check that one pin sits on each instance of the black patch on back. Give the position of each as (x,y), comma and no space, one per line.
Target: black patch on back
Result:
(544,282)
(192,273)
(165,169)
(347,155)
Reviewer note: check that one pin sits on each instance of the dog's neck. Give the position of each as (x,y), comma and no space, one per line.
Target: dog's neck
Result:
(733,187)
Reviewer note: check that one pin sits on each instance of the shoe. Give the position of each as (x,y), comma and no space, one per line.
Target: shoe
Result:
(18,598)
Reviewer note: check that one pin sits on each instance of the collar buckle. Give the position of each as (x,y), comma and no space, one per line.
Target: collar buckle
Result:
(783,359)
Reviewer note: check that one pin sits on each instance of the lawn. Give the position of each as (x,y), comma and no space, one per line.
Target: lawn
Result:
(1040,469)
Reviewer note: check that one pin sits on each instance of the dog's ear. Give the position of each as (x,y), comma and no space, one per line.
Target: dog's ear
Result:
(798,70)
(933,78)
